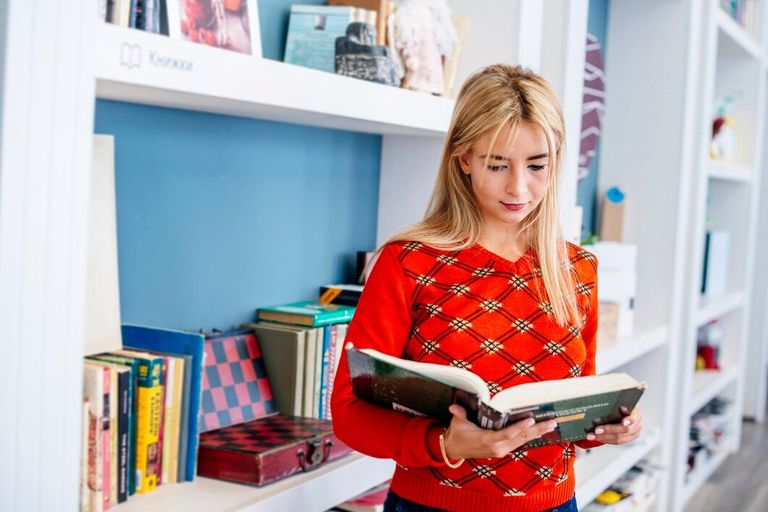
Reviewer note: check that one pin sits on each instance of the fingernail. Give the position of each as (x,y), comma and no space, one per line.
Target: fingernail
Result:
(590,437)
(626,423)
(551,426)
(599,431)
(530,422)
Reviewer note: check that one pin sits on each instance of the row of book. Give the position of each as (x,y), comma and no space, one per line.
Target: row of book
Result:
(136,419)
(145,406)
(302,345)
(141,14)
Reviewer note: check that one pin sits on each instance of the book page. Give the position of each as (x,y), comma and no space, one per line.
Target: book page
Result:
(547,391)
(457,377)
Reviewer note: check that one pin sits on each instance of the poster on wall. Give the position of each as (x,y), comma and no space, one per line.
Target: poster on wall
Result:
(229,24)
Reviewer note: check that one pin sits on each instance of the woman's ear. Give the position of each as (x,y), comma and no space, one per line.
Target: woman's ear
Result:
(464,162)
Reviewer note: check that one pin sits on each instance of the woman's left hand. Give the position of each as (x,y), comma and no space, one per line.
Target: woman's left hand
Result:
(619,433)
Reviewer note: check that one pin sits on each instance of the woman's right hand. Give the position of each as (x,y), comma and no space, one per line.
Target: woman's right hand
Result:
(465,440)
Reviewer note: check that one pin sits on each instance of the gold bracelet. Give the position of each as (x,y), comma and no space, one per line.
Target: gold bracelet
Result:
(452,465)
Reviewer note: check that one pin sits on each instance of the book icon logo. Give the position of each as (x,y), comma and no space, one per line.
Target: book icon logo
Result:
(130,55)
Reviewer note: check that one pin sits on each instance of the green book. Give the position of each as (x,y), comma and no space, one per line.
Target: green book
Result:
(424,389)
(309,313)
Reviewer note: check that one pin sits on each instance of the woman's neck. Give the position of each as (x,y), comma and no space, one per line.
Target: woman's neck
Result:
(508,245)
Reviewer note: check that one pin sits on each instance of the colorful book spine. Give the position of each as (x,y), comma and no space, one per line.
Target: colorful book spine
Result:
(106,438)
(149,417)
(181,343)
(93,392)
(133,371)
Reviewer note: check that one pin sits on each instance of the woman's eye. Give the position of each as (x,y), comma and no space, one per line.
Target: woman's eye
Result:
(538,167)
(496,167)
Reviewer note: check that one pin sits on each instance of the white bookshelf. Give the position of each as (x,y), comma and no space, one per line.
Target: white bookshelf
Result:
(598,469)
(630,348)
(707,384)
(139,67)
(316,490)
(715,307)
(727,171)
(696,478)
(724,196)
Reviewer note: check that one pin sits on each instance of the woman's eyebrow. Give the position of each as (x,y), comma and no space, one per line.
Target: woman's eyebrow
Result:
(495,157)
(537,157)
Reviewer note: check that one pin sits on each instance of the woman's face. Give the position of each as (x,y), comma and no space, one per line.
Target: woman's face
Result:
(515,179)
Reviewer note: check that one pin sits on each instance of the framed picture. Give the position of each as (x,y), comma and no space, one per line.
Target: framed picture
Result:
(229,24)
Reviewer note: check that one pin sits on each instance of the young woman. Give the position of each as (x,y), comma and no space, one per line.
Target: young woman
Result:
(484,282)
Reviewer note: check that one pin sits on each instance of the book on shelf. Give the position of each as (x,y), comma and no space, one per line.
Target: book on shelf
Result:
(119,414)
(188,346)
(94,380)
(343,294)
(577,404)
(309,313)
(132,366)
(148,419)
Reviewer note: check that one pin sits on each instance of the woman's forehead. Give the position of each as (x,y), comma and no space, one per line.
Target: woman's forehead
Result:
(525,136)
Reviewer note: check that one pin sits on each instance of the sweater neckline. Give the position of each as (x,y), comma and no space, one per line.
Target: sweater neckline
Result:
(528,256)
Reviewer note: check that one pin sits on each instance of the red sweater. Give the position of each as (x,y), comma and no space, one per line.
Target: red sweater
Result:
(477,310)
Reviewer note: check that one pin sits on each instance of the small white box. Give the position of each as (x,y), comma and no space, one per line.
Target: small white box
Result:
(614,256)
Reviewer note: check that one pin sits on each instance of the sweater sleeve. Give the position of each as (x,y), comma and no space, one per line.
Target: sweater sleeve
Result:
(589,335)
(382,321)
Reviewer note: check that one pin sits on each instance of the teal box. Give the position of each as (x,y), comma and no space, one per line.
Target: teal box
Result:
(312,33)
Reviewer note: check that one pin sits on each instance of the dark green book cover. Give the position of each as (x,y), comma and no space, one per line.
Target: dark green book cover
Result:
(309,313)
(385,383)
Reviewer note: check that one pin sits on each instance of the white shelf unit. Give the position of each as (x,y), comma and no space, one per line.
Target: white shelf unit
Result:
(602,467)
(151,69)
(647,156)
(727,171)
(707,384)
(715,307)
(697,477)
(723,195)
(320,489)
(630,348)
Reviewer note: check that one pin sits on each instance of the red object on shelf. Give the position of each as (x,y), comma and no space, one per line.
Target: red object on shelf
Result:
(262,451)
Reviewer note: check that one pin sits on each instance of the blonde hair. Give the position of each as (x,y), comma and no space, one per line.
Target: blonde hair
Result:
(494,98)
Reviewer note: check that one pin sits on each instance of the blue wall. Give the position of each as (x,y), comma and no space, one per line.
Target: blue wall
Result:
(219,215)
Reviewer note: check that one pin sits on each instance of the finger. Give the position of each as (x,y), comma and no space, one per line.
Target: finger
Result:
(515,431)
(458,412)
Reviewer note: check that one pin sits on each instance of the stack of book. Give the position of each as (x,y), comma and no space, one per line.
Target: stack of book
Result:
(301,343)
(140,415)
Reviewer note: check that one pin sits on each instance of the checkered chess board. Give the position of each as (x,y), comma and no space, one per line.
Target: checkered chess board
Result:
(267,433)
(235,384)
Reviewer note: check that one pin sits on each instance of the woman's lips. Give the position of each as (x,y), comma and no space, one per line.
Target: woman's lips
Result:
(513,207)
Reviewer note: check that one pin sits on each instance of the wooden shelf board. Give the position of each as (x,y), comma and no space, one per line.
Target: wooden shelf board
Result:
(604,465)
(317,490)
(151,69)
(630,348)
(709,383)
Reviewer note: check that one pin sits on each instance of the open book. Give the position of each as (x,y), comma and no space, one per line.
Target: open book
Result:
(425,389)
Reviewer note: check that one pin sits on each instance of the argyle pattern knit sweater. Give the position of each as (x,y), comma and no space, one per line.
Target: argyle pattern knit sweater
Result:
(476,310)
